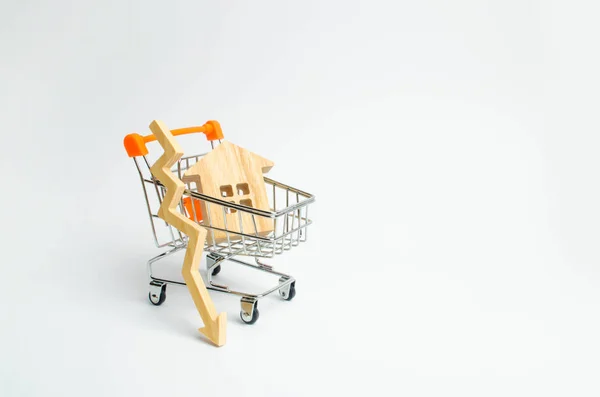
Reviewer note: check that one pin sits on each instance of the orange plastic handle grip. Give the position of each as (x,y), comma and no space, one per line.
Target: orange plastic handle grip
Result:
(135,144)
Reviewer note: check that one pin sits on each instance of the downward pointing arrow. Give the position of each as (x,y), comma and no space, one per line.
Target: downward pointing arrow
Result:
(214,325)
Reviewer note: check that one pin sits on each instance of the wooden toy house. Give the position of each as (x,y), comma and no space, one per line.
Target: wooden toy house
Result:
(232,174)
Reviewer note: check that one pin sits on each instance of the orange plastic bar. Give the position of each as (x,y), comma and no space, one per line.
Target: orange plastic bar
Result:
(135,144)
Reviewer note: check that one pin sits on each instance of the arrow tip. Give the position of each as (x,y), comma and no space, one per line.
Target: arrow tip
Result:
(215,331)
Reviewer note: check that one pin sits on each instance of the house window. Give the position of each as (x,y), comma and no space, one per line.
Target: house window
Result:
(246,202)
(230,210)
(242,189)
(226,191)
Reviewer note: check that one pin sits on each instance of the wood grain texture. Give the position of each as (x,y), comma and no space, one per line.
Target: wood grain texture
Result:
(233,174)
(214,325)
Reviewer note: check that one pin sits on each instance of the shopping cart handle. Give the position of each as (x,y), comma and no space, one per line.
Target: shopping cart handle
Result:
(135,144)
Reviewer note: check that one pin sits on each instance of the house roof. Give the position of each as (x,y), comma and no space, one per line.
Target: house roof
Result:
(236,153)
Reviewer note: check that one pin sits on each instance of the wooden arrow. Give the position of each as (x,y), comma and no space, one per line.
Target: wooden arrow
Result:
(214,325)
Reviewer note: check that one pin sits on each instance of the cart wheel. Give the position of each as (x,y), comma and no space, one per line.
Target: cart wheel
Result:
(158,299)
(288,293)
(291,293)
(249,313)
(216,270)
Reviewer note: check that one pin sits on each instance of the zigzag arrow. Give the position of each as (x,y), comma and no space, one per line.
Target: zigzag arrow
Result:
(214,325)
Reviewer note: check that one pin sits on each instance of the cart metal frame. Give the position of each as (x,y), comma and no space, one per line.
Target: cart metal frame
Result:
(289,213)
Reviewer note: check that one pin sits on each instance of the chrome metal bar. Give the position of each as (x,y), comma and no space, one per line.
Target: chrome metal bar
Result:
(287,204)
(242,231)
(159,257)
(306,223)
(292,235)
(147,202)
(289,280)
(225,222)
(210,223)
(299,220)
(256,234)
(194,210)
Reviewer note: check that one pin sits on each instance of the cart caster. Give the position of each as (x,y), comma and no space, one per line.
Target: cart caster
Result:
(289,291)
(211,260)
(249,313)
(216,270)
(157,294)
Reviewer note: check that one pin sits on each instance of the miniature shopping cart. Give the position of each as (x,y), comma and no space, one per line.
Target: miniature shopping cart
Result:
(288,214)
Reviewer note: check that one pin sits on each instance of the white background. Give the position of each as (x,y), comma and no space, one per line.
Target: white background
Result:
(452,147)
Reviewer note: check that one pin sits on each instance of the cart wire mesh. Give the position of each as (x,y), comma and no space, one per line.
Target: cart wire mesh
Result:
(288,214)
